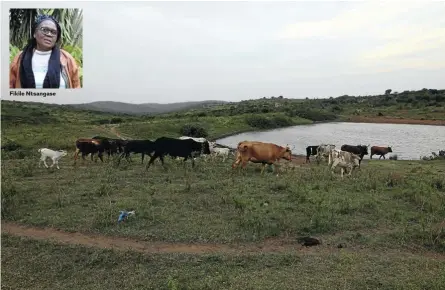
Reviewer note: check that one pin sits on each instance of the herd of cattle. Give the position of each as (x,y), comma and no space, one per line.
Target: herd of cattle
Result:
(348,157)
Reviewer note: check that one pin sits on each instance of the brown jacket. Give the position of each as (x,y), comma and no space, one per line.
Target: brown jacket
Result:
(70,71)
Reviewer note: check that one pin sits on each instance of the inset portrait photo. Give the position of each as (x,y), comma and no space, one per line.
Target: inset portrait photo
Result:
(45,48)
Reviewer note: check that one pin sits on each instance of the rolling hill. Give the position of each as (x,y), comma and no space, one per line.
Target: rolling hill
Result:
(145,108)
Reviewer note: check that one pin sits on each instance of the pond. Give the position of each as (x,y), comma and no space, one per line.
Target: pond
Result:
(409,142)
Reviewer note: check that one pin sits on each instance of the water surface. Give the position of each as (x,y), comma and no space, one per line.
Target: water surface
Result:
(409,142)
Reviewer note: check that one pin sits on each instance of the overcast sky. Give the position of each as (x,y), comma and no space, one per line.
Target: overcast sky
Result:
(178,51)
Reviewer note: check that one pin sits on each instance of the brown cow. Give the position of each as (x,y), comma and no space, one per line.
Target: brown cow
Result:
(382,151)
(260,152)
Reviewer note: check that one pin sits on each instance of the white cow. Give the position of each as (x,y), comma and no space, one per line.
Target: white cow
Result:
(335,153)
(224,152)
(324,150)
(54,155)
(346,160)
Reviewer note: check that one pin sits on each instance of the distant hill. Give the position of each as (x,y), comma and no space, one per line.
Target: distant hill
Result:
(145,108)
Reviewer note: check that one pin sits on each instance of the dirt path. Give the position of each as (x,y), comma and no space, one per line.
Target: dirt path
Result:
(125,244)
(117,243)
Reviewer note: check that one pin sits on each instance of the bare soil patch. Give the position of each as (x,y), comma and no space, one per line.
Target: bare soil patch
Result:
(363,119)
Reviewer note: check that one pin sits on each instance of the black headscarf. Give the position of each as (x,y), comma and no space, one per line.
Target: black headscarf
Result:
(52,78)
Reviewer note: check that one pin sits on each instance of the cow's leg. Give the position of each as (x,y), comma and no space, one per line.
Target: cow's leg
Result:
(263,167)
(334,164)
(100,156)
(383,156)
(152,159)
(76,154)
(342,171)
(142,162)
(370,156)
(44,162)
(160,158)
(236,163)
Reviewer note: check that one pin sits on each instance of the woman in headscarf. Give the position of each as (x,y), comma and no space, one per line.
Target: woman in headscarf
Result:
(42,64)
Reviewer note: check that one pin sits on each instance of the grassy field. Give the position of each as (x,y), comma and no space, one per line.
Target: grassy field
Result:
(209,227)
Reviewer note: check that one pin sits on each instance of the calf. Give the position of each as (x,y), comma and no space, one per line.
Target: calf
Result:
(144,147)
(224,152)
(186,148)
(345,160)
(360,150)
(382,151)
(54,155)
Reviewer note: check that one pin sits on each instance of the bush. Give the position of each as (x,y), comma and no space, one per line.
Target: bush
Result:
(261,122)
(11,145)
(313,115)
(193,131)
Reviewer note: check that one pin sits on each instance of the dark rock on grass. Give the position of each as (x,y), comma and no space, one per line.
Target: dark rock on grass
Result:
(309,241)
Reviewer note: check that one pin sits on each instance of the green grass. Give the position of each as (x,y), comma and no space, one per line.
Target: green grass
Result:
(28,264)
(387,203)
(390,214)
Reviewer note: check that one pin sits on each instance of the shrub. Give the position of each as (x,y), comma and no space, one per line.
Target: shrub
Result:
(261,122)
(193,131)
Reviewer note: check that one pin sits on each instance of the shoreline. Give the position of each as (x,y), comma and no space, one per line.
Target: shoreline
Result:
(387,120)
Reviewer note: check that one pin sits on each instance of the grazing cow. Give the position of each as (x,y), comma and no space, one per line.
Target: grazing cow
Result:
(186,148)
(345,160)
(144,147)
(311,150)
(54,155)
(90,146)
(334,154)
(324,150)
(259,152)
(360,150)
(382,151)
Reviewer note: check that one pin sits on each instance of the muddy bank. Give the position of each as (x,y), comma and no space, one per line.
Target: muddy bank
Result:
(387,120)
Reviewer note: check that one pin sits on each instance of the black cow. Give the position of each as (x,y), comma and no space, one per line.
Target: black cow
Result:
(187,148)
(311,150)
(90,146)
(360,150)
(145,147)
(112,146)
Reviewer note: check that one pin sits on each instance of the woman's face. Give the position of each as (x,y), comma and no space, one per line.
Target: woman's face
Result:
(46,35)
